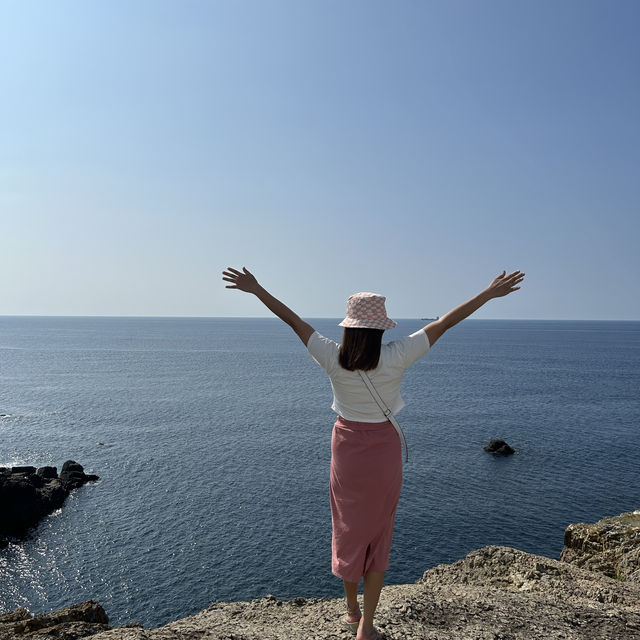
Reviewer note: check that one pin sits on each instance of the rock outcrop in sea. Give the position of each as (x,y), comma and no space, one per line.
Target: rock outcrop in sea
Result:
(494,593)
(499,448)
(28,494)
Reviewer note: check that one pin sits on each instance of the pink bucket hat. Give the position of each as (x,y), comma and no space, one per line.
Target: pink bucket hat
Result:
(367,311)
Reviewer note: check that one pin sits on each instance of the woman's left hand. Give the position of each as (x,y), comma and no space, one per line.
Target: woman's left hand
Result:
(243,280)
(504,284)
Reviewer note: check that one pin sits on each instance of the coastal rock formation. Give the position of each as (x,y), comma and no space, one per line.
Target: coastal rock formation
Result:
(499,448)
(494,593)
(611,545)
(76,621)
(27,495)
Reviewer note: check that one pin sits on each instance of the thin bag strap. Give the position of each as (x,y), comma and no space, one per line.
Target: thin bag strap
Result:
(385,410)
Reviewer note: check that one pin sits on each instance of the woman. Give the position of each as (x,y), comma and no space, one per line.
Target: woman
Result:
(366,457)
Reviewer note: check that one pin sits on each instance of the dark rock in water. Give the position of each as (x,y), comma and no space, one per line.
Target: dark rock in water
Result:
(77,621)
(499,448)
(72,475)
(27,470)
(48,472)
(26,496)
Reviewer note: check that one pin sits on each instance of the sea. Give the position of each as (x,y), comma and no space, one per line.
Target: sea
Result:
(211,437)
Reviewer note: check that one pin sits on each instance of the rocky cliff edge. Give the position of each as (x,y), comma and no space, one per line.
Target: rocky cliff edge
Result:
(494,593)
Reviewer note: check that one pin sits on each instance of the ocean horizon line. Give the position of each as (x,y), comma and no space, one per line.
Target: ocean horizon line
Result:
(275,319)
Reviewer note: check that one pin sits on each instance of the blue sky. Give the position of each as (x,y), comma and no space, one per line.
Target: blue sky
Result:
(412,148)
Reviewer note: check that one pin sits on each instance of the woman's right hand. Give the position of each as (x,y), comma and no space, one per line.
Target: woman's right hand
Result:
(504,284)
(243,280)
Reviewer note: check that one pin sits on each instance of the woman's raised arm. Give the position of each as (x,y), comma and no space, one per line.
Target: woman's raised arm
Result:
(500,286)
(245,281)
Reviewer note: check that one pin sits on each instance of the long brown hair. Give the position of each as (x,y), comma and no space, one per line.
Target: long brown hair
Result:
(360,349)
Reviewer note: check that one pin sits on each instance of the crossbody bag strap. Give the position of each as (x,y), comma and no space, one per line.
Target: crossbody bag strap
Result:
(385,410)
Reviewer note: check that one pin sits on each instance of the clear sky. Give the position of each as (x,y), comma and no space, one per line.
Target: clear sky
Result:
(412,148)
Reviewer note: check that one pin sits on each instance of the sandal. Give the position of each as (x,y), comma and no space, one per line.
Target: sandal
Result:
(376,634)
(351,620)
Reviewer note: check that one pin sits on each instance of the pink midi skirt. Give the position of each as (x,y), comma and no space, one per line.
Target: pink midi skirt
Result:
(366,480)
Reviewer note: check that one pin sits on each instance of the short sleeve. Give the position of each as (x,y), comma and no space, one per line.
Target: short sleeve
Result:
(323,350)
(410,349)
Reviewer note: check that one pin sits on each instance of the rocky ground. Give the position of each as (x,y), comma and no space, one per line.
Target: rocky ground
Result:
(494,593)
(611,546)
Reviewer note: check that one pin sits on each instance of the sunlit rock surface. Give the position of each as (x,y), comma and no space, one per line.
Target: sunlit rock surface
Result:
(494,593)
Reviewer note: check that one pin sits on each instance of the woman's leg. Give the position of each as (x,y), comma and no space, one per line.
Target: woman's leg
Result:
(351,591)
(373,581)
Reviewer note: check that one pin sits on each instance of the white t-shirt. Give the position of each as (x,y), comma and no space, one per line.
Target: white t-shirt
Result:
(351,398)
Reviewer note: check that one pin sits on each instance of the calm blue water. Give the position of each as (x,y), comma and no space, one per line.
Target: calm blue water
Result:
(216,432)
